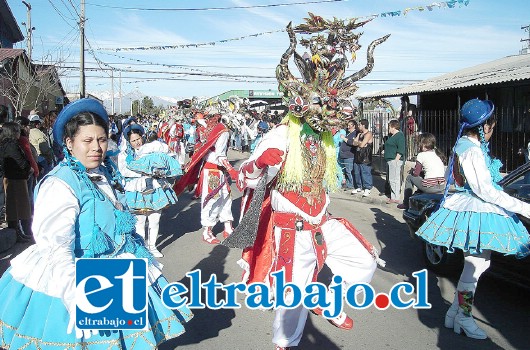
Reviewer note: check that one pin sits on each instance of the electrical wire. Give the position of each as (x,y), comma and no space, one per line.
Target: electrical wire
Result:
(65,19)
(215,8)
(67,7)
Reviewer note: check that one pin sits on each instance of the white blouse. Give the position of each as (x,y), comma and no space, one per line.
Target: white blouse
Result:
(48,266)
(487,198)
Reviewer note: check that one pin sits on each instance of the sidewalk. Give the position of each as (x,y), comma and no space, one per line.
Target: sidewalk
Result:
(377,194)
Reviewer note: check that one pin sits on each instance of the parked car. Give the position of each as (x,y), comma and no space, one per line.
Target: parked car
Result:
(422,205)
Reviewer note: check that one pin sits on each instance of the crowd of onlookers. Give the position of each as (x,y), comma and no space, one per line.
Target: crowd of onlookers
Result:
(27,154)
(245,135)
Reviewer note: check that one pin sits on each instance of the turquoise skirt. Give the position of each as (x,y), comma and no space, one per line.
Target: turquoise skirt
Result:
(159,199)
(161,163)
(33,320)
(474,232)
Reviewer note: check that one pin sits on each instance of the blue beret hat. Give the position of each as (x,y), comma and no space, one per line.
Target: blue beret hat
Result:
(475,112)
(263,125)
(82,105)
(131,127)
(128,121)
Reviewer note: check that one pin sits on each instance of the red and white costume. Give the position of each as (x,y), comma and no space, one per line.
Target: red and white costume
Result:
(174,141)
(320,239)
(215,178)
(210,170)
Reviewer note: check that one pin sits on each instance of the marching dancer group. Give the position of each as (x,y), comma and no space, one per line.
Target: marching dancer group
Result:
(106,202)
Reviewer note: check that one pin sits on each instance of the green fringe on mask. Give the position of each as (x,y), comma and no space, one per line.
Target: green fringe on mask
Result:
(292,176)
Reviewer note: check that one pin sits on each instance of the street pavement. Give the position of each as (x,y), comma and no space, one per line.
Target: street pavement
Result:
(501,309)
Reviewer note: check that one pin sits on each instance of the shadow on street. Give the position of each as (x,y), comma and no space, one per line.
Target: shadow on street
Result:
(206,323)
(499,306)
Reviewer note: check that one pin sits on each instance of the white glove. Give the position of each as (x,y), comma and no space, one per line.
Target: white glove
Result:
(79,333)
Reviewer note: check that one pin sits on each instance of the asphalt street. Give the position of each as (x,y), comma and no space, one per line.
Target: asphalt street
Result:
(501,309)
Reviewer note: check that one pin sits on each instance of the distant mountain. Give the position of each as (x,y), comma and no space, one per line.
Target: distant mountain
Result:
(127,99)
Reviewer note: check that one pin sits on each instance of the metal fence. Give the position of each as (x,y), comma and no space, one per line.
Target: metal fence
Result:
(510,138)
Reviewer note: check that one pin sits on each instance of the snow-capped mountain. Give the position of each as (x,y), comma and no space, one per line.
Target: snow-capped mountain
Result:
(127,100)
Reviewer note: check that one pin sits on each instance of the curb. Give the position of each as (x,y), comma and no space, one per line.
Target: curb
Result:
(374,198)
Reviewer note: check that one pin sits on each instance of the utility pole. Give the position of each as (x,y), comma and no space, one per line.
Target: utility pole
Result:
(120,91)
(29,29)
(82,57)
(112,91)
(527,49)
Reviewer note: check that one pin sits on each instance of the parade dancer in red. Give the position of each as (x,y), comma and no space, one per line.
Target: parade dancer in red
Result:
(210,170)
(295,232)
(174,140)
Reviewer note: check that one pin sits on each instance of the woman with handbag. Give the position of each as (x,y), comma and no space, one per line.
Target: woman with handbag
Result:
(362,167)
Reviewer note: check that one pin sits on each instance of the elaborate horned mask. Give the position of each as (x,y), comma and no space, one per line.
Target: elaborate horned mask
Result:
(322,94)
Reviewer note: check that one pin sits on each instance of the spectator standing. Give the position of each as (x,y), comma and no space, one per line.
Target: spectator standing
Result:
(16,172)
(394,153)
(41,142)
(347,155)
(363,159)
(338,133)
(410,130)
(31,155)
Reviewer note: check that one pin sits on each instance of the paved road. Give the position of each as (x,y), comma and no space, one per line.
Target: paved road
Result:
(500,309)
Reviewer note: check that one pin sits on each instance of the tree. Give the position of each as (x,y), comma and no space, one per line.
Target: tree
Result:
(29,86)
(16,78)
(148,107)
(135,107)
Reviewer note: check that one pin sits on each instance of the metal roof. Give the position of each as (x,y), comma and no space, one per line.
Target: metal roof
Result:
(10,53)
(261,94)
(511,68)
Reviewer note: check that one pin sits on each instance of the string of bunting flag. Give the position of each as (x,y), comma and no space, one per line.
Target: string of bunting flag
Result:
(168,65)
(435,5)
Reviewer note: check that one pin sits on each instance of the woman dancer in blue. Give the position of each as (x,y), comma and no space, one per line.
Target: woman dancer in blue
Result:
(146,168)
(479,217)
(77,215)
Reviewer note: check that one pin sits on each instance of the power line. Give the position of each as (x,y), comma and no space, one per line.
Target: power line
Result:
(145,63)
(74,7)
(215,8)
(62,15)
(272,80)
(174,73)
(69,10)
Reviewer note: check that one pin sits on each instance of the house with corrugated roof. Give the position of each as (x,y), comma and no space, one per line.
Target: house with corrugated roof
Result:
(505,81)
(24,86)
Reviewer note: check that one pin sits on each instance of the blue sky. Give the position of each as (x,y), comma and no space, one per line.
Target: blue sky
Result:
(422,44)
